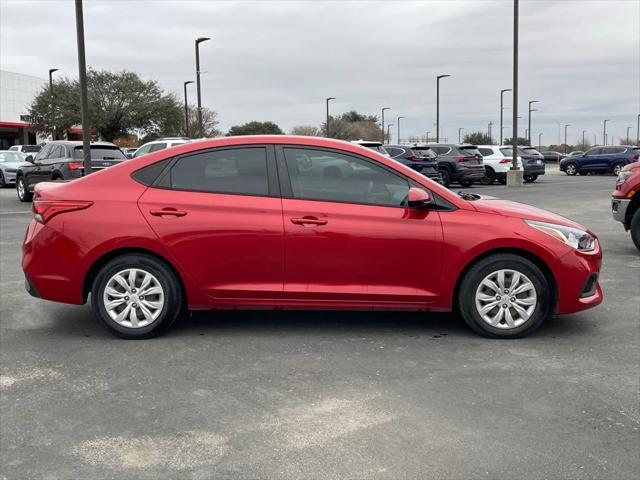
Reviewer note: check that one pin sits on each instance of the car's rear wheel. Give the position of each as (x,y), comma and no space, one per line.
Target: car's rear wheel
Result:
(504,296)
(489,176)
(2,183)
(571,169)
(137,296)
(446,177)
(635,228)
(530,178)
(466,183)
(617,168)
(24,195)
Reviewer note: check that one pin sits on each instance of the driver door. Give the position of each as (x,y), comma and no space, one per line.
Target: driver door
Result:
(349,237)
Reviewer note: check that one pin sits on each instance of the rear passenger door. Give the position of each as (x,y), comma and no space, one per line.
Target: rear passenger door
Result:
(219,212)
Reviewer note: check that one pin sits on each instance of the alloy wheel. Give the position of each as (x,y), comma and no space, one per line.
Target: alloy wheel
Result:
(506,299)
(20,188)
(133,298)
(571,169)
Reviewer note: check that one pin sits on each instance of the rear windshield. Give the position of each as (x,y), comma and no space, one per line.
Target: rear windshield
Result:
(31,148)
(531,151)
(470,151)
(508,151)
(377,148)
(100,153)
(424,152)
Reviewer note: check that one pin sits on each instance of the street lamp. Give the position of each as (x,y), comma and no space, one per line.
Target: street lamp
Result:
(53,110)
(490,130)
(540,141)
(398,139)
(459,131)
(531,110)
(385,108)
(628,128)
(604,132)
(516,175)
(388,132)
(186,109)
(428,133)
(565,136)
(583,132)
(501,110)
(327,124)
(198,42)
(84,97)
(438,106)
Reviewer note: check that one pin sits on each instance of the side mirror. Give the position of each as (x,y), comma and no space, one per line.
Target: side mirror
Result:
(129,155)
(418,198)
(29,158)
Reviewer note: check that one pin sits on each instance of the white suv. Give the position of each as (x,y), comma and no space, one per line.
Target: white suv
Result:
(497,161)
(160,144)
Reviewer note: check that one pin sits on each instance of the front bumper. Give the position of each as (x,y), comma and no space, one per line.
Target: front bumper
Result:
(576,277)
(619,209)
(9,177)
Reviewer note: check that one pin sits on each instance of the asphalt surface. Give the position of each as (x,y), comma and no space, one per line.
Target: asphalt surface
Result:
(323,394)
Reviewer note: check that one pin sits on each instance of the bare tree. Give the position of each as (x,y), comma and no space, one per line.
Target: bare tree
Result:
(306,131)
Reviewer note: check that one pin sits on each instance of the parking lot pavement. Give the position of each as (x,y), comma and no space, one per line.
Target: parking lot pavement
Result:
(324,394)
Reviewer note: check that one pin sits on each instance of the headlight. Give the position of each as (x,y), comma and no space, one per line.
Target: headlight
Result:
(574,237)
(622,176)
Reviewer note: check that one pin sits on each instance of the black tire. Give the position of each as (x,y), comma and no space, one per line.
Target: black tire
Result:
(446,177)
(174,302)
(617,168)
(635,228)
(489,265)
(489,176)
(502,181)
(466,183)
(530,178)
(24,195)
(2,183)
(583,173)
(571,169)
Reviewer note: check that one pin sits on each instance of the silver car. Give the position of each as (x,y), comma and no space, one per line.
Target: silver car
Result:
(9,163)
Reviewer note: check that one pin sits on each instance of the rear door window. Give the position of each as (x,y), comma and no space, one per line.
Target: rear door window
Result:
(240,171)
(595,151)
(157,146)
(486,152)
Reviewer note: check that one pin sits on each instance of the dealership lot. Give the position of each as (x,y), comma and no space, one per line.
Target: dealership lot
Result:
(323,394)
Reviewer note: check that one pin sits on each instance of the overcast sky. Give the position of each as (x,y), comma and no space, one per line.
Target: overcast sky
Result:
(278,60)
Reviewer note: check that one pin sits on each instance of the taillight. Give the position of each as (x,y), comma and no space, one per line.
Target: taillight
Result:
(459,159)
(75,165)
(506,160)
(45,210)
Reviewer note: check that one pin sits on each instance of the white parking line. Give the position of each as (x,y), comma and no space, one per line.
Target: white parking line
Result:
(16,213)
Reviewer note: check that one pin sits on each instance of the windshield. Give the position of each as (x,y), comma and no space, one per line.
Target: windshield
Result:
(11,157)
(100,153)
(31,148)
(424,152)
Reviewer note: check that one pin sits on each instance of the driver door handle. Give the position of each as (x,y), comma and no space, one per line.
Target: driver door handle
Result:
(168,211)
(308,221)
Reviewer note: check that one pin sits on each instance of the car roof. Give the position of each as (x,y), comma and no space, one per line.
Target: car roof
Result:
(77,143)
(369,143)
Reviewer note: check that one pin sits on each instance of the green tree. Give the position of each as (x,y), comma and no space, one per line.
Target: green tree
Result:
(255,128)
(521,141)
(478,138)
(120,103)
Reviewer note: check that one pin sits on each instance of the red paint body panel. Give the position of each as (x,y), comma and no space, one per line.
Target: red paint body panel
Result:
(235,251)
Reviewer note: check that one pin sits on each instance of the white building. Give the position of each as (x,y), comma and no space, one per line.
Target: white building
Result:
(17,91)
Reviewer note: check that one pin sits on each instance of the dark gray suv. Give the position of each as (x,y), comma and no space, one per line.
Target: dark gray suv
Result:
(62,160)
(458,163)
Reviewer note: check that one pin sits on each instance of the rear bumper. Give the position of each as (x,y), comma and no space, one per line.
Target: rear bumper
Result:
(619,209)
(475,172)
(535,169)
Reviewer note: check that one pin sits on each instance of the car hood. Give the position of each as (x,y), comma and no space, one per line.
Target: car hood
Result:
(507,208)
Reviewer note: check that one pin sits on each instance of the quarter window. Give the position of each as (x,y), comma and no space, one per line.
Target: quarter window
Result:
(157,146)
(236,170)
(334,177)
(486,152)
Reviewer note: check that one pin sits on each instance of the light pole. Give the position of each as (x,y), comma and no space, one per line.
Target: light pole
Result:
(460,131)
(502,109)
(540,141)
(583,132)
(565,136)
(604,132)
(398,139)
(638,131)
(490,130)
(438,106)
(53,110)
(389,133)
(327,124)
(531,110)
(428,136)
(186,110)
(84,100)
(628,129)
(198,42)
(385,108)
(515,177)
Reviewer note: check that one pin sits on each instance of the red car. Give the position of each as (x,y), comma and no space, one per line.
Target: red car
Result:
(625,200)
(299,223)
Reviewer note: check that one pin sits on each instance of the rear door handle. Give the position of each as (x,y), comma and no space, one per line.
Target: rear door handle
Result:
(308,221)
(168,211)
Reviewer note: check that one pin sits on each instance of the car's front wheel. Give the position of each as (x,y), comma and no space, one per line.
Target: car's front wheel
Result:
(504,296)
(489,177)
(571,169)
(24,195)
(446,177)
(137,296)
(617,168)
(635,228)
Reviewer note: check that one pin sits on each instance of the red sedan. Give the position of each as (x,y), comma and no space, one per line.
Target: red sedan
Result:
(300,223)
